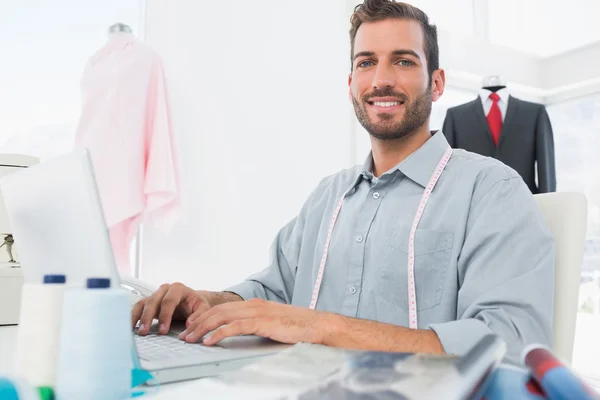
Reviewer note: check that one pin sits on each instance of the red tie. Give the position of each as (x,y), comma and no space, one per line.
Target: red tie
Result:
(495,118)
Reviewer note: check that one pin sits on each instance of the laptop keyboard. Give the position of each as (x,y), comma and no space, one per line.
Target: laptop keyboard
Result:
(154,347)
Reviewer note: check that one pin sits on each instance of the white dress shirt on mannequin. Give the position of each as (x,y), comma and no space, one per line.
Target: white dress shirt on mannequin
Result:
(484,95)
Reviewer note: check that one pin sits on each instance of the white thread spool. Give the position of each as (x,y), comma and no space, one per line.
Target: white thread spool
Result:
(94,361)
(39,330)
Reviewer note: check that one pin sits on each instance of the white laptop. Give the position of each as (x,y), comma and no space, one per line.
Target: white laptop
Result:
(58,222)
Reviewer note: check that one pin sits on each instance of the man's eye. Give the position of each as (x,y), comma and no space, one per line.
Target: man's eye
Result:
(405,63)
(364,64)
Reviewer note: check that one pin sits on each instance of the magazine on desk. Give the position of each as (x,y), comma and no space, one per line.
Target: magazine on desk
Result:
(319,372)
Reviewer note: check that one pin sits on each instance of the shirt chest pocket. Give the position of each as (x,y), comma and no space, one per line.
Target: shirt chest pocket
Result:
(433,249)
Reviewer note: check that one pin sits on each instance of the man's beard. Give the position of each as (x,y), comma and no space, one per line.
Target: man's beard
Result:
(416,114)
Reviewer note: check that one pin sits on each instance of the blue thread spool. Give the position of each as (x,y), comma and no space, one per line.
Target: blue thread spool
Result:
(54,279)
(8,390)
(94,360)
(12,388)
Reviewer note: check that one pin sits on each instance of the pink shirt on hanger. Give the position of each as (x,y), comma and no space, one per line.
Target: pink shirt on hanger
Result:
(126,124)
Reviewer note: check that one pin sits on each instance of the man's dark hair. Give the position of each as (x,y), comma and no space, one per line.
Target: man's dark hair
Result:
(377,10)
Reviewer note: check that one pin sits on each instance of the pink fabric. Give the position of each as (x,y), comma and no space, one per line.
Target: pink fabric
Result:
(126,124)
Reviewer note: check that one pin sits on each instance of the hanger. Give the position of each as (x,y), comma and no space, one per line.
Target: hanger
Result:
(493,83)
(119,27)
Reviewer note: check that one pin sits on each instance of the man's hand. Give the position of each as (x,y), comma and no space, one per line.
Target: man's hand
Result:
(171,302)
(280,322)
(175,302)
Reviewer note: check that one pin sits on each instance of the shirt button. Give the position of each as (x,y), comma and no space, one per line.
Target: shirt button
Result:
(376,195)
(352,290)
(359,238)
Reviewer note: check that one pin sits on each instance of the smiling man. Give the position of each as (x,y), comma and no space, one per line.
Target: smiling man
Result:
(421,249)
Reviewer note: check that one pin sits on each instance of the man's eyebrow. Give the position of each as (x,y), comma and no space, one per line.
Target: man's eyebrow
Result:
(364,54)
(406,52)
(399,52)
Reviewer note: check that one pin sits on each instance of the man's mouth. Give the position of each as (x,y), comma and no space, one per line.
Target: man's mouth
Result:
(385,105)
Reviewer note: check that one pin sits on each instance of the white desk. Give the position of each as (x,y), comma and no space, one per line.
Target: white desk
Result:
(182,390)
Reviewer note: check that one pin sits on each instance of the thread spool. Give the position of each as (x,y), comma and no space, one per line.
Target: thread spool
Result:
(39,330)
(46,393)
(12,388)
(94,361)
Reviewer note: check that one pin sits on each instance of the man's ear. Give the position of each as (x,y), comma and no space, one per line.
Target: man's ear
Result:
(350,87)
(438,83)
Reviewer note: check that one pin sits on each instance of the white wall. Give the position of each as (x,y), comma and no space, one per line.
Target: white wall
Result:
(260,103)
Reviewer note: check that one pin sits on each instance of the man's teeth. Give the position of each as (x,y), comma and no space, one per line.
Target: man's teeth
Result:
(386,103)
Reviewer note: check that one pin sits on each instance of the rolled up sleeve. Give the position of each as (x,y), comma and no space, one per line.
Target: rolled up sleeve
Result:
(506,273)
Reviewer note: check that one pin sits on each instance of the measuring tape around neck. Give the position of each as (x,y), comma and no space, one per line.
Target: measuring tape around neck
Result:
(412,297)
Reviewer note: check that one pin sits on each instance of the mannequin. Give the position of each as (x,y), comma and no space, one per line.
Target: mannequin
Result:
(119,27)
(514,131)
(493,83)
(126,125)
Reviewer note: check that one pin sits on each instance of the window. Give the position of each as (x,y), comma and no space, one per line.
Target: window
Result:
(576,125)
(44,50)
(542,27)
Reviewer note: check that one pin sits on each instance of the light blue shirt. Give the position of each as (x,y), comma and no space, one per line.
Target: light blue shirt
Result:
(484,257)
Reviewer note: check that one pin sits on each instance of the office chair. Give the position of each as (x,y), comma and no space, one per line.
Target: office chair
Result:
(566,216)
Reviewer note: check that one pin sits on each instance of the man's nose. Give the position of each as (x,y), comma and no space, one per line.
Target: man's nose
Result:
(384,77)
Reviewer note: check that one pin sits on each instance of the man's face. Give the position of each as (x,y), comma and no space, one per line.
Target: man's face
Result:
(389,85)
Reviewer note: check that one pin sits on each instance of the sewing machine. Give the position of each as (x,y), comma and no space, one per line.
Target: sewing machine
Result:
(11,275)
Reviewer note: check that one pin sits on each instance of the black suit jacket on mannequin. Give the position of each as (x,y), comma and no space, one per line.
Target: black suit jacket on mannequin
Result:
(526,138)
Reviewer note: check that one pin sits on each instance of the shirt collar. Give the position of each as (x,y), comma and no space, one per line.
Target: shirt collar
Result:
(484,94)
(419,166)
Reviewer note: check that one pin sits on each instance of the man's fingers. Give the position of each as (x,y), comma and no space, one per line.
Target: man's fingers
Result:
(218,316)
(199,317)
(151,308)
(238,327)
(136,312)
(234,306)
(197,330)
(169,303)
(201,309)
